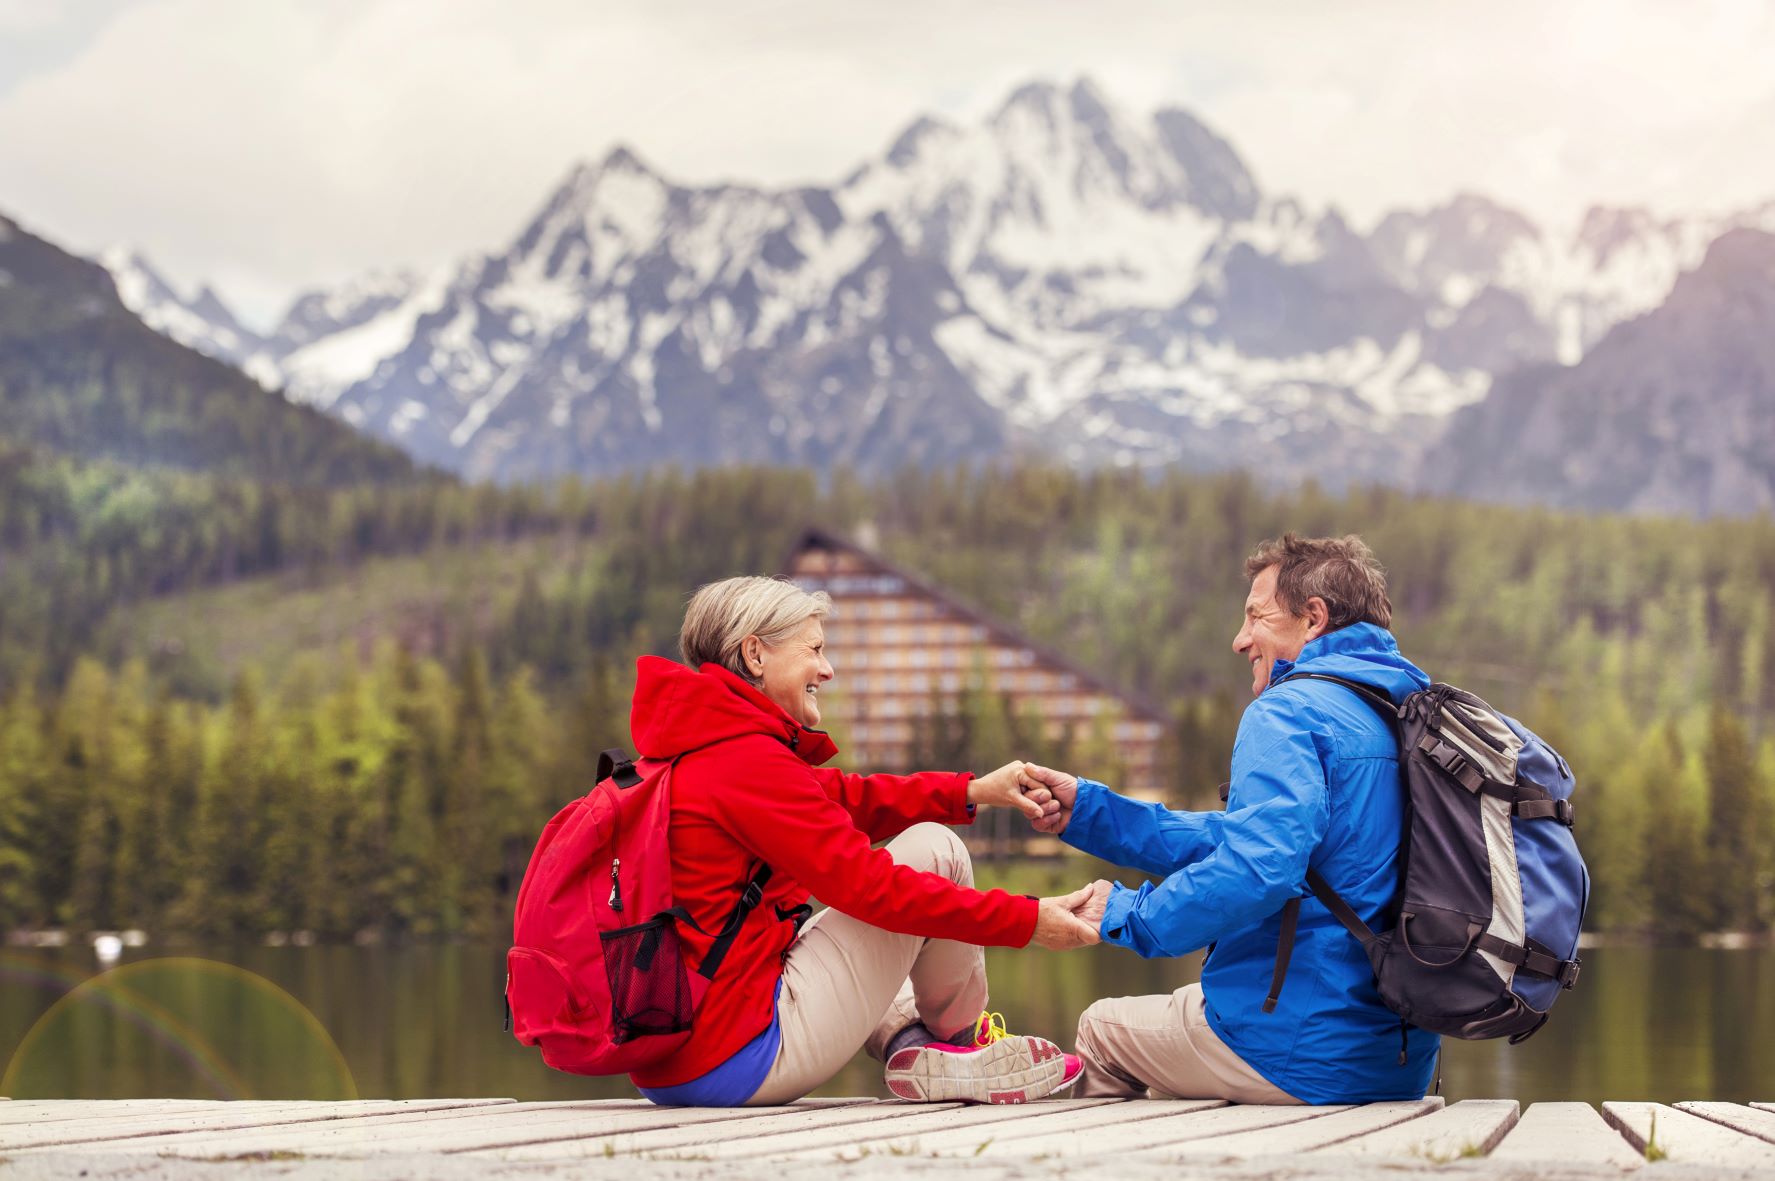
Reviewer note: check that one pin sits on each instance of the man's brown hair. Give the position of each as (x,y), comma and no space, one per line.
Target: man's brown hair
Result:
(1340,570)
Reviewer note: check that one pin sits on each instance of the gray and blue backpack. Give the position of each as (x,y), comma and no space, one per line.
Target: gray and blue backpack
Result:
(1493,889)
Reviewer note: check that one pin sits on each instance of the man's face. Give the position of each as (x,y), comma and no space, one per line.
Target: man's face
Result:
(1270,633)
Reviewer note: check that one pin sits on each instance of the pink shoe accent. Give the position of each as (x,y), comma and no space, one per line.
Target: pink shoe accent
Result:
(904,1088)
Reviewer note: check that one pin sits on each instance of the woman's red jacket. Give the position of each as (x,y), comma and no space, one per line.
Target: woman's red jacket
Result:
(747,788)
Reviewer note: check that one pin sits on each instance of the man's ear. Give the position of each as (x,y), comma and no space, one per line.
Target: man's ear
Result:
(1318,617)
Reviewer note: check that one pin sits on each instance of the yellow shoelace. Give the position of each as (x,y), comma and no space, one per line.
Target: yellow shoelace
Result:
(990,1028)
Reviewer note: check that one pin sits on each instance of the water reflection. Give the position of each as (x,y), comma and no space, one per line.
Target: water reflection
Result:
(1646,1023)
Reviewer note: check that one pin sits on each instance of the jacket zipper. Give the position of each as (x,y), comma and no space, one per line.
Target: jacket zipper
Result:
(615,901)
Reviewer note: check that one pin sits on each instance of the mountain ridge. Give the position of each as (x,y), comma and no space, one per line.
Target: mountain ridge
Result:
(81,375)
(1116,288)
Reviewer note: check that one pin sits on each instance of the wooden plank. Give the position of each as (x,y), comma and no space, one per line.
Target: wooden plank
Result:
(1686,1139)
(969,1129)
(222,1117)
(123,1113)
(1305,1135)
(471,1135)
(803,1117)
(1466,1129)
(1570,1133)
(1108,1120)
(59,1110)
(893,1122)
(290,1136)
(369,1137)
(1749,1120)
(1184,1119)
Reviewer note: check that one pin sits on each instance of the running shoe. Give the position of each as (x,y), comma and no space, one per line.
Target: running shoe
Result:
(1000,1067)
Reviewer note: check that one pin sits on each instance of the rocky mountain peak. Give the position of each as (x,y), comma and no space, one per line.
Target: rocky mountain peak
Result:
(1607,229)
(910,145)
(1219,182)
(1040,101)
(1739,263)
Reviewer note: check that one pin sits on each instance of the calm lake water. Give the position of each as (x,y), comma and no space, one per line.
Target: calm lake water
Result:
(337,1022)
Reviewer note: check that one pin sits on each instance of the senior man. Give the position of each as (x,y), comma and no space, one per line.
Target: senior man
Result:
(1315,783)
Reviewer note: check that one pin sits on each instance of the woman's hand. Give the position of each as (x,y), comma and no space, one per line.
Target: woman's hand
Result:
(1003,788)
(1058,925)
(1058,789)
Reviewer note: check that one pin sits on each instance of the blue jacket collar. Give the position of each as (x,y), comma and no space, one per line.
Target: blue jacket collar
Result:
(1360,652)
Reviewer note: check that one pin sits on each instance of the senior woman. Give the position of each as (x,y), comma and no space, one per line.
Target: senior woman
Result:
(896,963)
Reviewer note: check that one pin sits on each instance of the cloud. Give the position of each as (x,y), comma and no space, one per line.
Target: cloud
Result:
(277,144)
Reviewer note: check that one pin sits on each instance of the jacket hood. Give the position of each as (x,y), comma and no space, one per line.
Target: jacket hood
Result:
(678,709)
(1361,652)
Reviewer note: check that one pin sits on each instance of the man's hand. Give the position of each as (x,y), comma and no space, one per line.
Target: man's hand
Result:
(1004,788)
(1058,926)
(1091,911)
(1060,788)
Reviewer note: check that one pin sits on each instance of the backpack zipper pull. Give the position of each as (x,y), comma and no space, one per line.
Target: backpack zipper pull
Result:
(615,884)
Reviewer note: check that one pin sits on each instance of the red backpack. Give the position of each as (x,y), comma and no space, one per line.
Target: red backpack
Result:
(596,975)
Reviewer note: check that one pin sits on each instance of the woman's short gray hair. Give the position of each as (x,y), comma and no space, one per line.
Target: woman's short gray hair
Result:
(724,613)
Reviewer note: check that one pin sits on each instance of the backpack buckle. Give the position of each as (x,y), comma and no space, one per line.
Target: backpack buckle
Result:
(1564,813)
(752,895)
(1568,973)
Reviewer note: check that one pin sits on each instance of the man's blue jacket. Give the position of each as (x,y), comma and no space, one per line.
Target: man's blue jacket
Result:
(1315,782)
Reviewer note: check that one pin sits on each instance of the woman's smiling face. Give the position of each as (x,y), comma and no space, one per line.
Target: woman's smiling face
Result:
(794,670)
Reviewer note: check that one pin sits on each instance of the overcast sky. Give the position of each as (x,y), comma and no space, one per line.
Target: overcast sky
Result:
(270,145)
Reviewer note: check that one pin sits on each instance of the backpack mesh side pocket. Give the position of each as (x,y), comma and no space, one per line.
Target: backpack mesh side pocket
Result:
(649,987)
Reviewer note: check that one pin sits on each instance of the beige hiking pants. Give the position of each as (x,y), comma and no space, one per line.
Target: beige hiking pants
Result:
(847,984)
(1161,1047)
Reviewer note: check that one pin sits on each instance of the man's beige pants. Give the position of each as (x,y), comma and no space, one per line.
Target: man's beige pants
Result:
(1161,1047)
(847,984)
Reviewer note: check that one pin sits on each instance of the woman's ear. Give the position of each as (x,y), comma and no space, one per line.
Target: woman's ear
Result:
(752,655)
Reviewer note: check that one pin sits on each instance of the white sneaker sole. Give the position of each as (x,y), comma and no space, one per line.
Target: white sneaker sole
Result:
(1015,1069)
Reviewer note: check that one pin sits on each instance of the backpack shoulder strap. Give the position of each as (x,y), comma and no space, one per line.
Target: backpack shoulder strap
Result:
(1382,704)
(615,763)
(751,895)
(1332,901)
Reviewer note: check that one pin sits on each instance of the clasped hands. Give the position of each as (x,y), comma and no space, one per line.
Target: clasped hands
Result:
(1046,796)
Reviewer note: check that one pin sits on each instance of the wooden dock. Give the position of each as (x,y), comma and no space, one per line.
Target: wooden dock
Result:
(1071,1138)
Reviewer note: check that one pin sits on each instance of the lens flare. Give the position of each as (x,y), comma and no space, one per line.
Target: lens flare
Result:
(214,1030)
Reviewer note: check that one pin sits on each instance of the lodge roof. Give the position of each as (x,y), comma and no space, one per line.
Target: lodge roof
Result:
(1138,705)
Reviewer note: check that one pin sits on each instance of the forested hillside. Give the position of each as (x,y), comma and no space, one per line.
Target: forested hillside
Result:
(79,373)
(183,764)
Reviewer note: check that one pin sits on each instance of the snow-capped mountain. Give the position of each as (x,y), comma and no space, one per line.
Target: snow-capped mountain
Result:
(1620,263)
(1064,278)
(202,321)
(330,339)
(1673,411)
